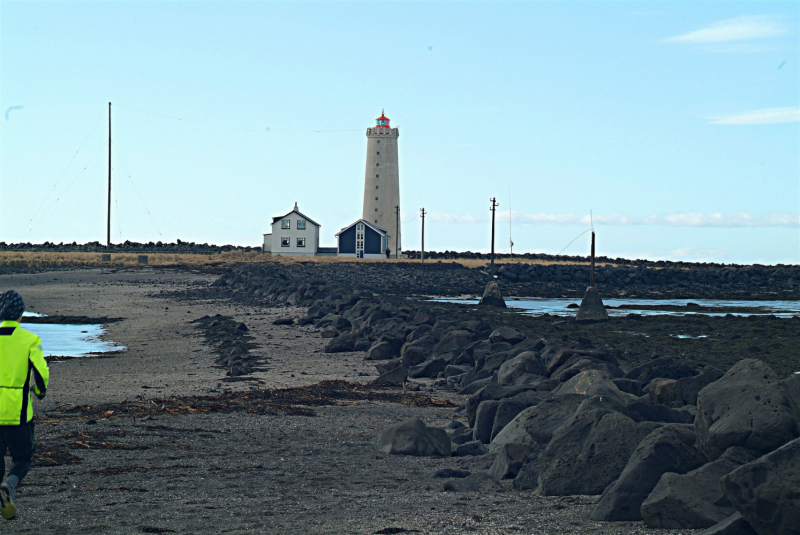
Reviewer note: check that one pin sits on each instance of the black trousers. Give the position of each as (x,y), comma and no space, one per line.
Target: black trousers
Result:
(19,441)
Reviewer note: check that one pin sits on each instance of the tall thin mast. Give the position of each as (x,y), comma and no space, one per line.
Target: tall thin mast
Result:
(108,221)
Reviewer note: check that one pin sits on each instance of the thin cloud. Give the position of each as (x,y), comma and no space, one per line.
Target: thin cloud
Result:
(789,114)
(689,219)
(743,28)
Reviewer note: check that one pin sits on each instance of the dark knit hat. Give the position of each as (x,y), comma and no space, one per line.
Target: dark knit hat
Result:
(11,305)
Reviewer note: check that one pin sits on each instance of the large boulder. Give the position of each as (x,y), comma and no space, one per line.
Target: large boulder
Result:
(381,351)
(484,420)
(509,408)
(341,344)
(506,334)
(527,362)
(543,420)
(644,412)
(492,296)
(693,500)
(394,377)
(528,475)
(733,525)
(490,391)
(513,432)
(792,387)
(588,453)
(452,342)
(592,383)
(767,491)
(509,460)
(686,389)
(429,368)
(668,449)
(592,308)
(413,437)
(748,407)
(660,367)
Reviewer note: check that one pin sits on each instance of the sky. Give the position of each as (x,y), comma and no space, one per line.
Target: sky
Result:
(671,128)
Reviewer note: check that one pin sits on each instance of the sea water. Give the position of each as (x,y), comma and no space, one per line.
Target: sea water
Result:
(63,340)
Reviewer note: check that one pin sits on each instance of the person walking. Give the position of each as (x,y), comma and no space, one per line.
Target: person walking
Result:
(21,357)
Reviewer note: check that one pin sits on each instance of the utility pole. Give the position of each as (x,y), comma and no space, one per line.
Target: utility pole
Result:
(422,213)
(397,231)
(495,204)
(108,222)
(591,274)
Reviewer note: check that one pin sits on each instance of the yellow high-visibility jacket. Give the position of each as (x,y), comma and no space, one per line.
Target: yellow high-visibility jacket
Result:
(20,354)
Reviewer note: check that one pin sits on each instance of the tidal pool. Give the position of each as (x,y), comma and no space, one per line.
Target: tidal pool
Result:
(64,340)
(712,307)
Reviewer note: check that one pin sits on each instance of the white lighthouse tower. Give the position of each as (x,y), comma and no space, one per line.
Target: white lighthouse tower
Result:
(382,181)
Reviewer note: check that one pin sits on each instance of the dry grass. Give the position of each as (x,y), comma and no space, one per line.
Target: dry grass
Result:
(43,259)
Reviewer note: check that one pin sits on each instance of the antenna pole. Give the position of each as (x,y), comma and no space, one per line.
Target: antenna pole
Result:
(397,231)
(591,275)
(108,221)
(422,213)
(493,209)
(510,241)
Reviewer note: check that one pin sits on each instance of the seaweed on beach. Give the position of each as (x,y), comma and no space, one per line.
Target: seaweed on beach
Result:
(285,401)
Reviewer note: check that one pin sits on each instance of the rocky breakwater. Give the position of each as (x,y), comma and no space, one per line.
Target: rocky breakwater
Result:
(300,283)
(230,342)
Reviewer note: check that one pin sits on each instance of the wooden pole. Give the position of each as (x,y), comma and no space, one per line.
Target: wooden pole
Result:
(493,208)
(591,275)
(108,221)
(422,249)
(397,232)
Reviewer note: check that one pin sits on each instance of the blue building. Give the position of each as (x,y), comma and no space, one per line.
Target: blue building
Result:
(362,239)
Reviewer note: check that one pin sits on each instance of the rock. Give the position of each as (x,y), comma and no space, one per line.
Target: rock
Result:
(430,368)
(660,367)
(490,391)
(791,386)
(362,344)
(341,344)
(450,473)
(527,362)
(418,333)
(561,356)
(283,321)
(474,447)
(387,365)
(341,324)
(694,500)
(748,407)
(423,318)
(528,475)
(452,342)
(480,482)
(453,371)
(550,415)
(661,391)
(330,332)
(591,308)
(413,437)
(492,296)
(513,432)
(686,389)
(733,525)
(506,334)
(484,420)
(509,460)
(394,377)
(767,490)
(381,351)
(588,453)
(643,412)
(577,364)
(462,436)
(509,408)
(417,352)
(592,383)
(629,386)
(668,449)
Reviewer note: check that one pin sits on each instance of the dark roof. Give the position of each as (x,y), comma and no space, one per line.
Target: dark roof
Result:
(298,212)
(376,228)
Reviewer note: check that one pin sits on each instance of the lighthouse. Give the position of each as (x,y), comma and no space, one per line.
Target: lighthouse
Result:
(382,181)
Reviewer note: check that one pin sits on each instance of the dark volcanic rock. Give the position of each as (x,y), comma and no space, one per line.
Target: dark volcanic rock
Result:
(506,334)
(492,296)
(341,344)
(509,460)
(430,368)
(527,362)
(473,447)
(767,491)
(381,351)
(283,321)
(748,407)
(669,449)
(733,525)
(694,500)
(551,414)
(480,482)
(413,437)
(396,376)
(644,412)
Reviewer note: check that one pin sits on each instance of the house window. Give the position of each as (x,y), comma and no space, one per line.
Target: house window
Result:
(359,238)
(376,198)
(379,141)
(286,224)
(301,225)
(377,164)
(376,187)
(301,242)
(377,176)
(376,209)
(379,153)
(376,220)
(286,242)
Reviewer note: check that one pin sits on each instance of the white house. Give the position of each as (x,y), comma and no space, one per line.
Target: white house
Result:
(295,234)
